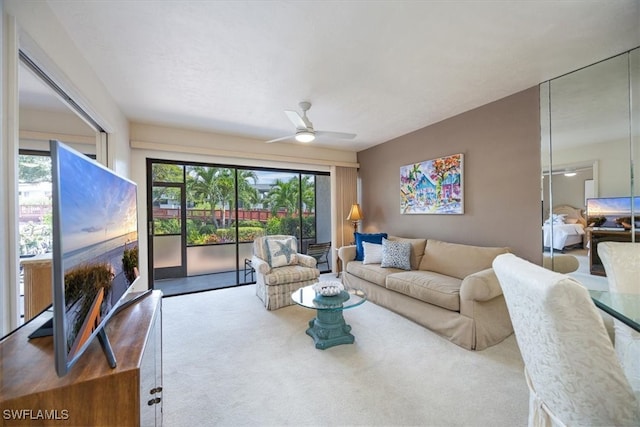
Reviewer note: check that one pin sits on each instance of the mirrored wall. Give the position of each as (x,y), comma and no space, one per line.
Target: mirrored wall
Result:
(590,136)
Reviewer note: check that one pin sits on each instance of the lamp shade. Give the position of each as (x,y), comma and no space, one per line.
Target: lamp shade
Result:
(355,214)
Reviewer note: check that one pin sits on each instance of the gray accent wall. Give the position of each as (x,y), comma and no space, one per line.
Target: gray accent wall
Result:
(502,177)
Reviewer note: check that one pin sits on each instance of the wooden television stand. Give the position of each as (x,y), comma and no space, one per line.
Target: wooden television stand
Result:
(92,393)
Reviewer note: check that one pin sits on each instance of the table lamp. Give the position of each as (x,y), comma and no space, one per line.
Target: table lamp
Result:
(355,215)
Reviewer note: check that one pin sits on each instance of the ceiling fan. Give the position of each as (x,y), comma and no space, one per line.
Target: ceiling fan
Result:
(304,127)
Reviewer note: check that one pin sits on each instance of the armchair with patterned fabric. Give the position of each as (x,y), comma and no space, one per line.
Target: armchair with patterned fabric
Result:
(621,261)
(281,269)
(570,365)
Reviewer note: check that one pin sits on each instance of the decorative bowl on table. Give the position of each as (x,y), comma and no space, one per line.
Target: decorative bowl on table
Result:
(328,288)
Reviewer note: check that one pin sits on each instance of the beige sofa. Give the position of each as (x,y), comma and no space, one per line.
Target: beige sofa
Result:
(451,289)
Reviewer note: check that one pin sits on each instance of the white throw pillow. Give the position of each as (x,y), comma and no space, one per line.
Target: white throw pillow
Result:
(372,253)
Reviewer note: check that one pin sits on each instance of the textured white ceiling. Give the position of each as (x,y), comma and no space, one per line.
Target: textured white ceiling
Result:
(378,69)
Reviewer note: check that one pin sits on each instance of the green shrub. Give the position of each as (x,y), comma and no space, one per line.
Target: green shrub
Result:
(274,226)
(290,226)
(198,231)
(211,238)
(249,234)
(225,235)
(166,226)
(250,223)
(309,227)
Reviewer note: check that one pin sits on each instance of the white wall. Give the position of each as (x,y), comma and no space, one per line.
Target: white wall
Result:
(7,300)
(233,149)
(567,190)
(614,166)
(61,122)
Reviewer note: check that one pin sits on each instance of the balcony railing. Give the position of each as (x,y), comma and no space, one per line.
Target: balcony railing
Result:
(261,215)
(33,213)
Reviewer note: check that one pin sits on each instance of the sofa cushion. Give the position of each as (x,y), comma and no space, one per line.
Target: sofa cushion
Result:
(417,249)
(370,272)
(372,253)
(457,260)
(396,254)
(366,237)
(433,288)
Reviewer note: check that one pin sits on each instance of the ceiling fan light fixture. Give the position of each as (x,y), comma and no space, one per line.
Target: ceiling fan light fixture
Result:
(305,136)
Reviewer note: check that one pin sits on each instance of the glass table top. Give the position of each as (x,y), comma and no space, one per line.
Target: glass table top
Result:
(307,297)
(622,306)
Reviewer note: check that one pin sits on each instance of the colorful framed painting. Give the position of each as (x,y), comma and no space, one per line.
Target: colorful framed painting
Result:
(433,186)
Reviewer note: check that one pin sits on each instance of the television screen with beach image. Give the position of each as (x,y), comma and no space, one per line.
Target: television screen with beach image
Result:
(612,213)
(96,228)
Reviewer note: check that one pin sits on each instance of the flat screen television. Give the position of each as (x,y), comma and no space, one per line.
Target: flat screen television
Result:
(95,251)
(613,213)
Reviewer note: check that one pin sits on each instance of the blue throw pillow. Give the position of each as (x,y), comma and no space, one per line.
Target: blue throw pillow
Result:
(366,237)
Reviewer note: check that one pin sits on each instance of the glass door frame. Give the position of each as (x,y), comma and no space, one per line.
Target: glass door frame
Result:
(240,264)
(181,269)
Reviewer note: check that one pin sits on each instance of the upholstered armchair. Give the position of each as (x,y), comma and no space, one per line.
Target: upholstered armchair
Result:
(281,269)
(571,368)
(622,264)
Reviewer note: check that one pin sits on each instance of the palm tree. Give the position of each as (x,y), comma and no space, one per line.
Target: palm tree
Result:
(283,195)
(288,194)
(203,186)
(217,186)
(308,193)
(226,185)
(247,192)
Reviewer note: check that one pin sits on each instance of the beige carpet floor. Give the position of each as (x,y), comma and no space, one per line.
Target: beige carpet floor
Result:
(229,362)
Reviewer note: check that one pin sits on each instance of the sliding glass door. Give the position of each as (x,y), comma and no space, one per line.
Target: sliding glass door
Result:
(212,228)
(205,218)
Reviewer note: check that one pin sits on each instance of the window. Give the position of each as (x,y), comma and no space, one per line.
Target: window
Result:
(34,200)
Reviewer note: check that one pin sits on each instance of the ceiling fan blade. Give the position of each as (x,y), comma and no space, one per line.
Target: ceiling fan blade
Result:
(296,119)
(280,139)
(342,135)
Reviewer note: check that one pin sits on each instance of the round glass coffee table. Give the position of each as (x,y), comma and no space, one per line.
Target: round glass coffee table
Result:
(328,328)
